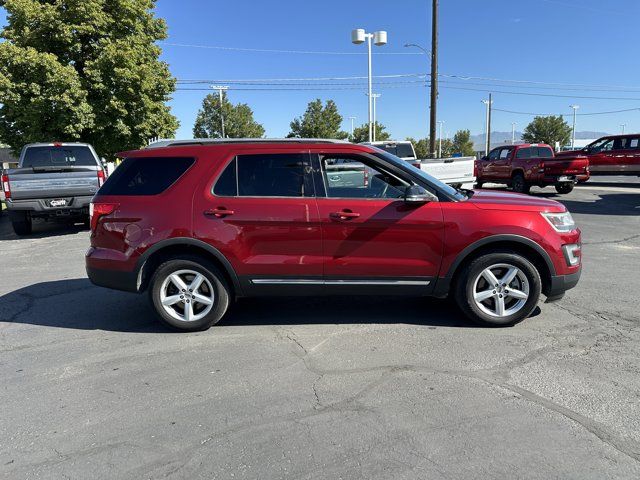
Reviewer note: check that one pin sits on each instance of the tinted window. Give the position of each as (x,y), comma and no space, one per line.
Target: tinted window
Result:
(398,149)
(347,177)
(524,153)
(271,175)
(634,143)
(504,153)
(545,152)
(64,156)
(145,176)
(603,145)
(227,185)
(493,155)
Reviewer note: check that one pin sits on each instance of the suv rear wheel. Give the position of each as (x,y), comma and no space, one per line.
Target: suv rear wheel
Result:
(189,293)
(21,223)
(498,289)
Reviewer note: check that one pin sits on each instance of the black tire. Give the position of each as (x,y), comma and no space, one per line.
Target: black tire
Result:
(519,184)
(479,184)
(21,223)
(564,188)
(216,280)
(465,284)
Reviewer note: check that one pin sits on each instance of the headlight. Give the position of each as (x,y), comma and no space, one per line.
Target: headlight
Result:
(561,222)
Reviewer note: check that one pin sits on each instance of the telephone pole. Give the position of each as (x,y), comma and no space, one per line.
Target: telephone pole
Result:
(220,89)
(487,145)
(434,78)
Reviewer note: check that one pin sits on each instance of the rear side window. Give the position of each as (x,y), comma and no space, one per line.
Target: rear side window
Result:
(271,175)
(63,156)
(524,153)
(145,176)
(545,152)
(227,184)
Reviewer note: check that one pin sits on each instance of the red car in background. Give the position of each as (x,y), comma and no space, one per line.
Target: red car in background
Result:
(200,223)
(523,166)
(612,155)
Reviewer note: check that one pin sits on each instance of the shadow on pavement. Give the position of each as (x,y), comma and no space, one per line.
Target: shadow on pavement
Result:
(77,304)
(41,229)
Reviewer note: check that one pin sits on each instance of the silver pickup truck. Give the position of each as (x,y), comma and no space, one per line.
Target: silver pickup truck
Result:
(52,181)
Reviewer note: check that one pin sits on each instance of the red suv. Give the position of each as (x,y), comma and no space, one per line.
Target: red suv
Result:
(200,223)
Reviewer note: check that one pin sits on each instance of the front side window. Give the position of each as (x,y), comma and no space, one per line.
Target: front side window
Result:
(504,153)
(271,175)
(603,145)
(494,154)
(349,177)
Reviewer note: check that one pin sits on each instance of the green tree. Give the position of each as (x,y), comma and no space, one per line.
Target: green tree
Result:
(421,147)
(318,121)
(361,133)
(84,70)
(238,119)
(548,130)
(462,143)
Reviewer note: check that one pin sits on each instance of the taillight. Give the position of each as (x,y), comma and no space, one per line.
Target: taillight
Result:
(97,210)
(5,186)
(100,178)
(541,169)
(475,168)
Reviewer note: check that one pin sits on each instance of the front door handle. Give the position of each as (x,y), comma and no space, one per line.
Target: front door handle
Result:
(344,215)
(219,212)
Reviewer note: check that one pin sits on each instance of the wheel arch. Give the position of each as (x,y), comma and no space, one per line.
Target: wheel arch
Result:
(174,247)
(526,247)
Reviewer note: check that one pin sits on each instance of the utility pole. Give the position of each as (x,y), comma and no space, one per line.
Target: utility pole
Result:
(220,88)
(440,122)
(487,144)
(375,97)
(513,133)
(434,76)
(624,126)
(352,119)
(573,130)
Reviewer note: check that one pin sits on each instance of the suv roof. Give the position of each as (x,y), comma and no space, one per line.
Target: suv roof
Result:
(222,141)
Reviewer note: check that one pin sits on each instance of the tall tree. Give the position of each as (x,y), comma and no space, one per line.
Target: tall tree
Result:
(421,147)
(361,133)
(318,121)
(84,70)
(462,143)
(238,119)
(548,130)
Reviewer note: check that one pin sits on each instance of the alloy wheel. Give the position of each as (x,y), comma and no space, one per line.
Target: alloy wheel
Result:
(187,295)
(501,290)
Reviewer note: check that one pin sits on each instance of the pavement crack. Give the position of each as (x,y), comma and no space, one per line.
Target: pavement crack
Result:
(612,242)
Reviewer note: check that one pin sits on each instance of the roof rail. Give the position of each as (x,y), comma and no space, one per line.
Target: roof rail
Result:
(222,141)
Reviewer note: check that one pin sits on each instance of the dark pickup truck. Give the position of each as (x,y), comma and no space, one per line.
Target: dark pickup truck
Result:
(52,181)
(526,165)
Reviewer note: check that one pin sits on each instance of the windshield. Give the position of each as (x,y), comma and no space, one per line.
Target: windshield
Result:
(63,156)
(443,187)
(402,150)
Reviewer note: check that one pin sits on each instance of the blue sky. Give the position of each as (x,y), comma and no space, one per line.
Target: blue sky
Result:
(553,41)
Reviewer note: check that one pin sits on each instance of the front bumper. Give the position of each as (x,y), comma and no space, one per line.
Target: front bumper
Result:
(560,284)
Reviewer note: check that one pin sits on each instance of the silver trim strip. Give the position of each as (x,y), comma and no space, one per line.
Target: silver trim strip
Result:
(285,281)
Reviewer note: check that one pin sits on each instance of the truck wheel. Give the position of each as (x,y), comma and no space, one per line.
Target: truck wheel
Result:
(564,188)
(21,223)
(519,184)
(479,185)
(498,289)
(189,293)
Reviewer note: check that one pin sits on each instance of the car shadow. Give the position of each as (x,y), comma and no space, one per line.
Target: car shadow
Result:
(77,304)
(41,229)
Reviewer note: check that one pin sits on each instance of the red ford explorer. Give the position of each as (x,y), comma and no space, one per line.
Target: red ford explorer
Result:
(200,223)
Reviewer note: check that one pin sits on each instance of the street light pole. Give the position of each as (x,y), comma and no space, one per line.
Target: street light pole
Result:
(375,97)
(379,38)
(352,119)
(220,88)
(441,122)
(573,133)
(624,126)
(487,126)
(513,133)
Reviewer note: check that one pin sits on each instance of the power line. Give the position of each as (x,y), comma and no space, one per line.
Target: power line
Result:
(271,50)
(504,80)
(306,79)
(578,114)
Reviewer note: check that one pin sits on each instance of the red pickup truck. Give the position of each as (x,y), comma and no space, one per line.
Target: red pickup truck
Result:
(613,155)
(529,164)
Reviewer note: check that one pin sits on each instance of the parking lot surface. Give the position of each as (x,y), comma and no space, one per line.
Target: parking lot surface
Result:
(94,387)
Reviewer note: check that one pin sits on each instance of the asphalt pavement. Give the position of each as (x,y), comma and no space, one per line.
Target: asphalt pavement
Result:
(324,388)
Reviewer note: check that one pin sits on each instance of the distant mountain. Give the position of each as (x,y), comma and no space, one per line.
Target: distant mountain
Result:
(505,137)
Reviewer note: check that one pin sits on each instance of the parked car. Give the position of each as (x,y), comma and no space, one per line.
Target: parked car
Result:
(197,224)
(525,165)
(52,181)
(613,155)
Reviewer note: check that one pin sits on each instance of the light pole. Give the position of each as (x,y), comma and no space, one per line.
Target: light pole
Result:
(375,96)
(624,126)
(220,88)
(352,119)
(573,133)
(513,133)
(440,122)
(487,126)
(358,36)
(427,53)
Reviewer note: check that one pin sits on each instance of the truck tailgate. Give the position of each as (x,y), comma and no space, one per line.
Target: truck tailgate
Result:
(565,166)
(450,170)
(25,184)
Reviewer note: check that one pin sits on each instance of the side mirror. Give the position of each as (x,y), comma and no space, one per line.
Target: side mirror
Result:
(417,194)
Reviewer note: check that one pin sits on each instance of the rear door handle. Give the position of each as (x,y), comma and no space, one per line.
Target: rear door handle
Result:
(344,215)
(219,212)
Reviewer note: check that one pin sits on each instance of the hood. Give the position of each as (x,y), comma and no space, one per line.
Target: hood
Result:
(497,200)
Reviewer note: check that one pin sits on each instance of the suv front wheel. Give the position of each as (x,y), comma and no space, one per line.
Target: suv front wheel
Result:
(189,293)
(498,289)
